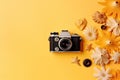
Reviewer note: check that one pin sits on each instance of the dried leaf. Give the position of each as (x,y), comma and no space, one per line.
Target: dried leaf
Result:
(81,24)
(89,47)
(76,60)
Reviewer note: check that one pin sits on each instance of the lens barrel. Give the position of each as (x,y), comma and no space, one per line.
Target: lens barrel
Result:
(65,44)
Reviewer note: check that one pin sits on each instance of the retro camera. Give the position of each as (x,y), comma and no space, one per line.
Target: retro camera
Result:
(64,41)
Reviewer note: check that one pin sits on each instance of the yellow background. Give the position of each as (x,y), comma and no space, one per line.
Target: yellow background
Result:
(24,47)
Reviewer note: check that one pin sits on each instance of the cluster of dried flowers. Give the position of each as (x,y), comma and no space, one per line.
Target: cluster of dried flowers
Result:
(110,51)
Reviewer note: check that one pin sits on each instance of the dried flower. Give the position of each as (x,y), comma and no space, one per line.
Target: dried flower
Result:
(100,56)
(116,31)
(103,74)
(111,23)
(116,75)
(89,47)
(81,24)
(116,57)
(99,17)
(90,33)
(114,26)
(110,42)
(76,60)
(112,8)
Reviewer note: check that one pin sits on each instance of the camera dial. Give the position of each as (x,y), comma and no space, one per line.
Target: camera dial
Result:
(56,39)
(54,33)
(56,49)
(65,33)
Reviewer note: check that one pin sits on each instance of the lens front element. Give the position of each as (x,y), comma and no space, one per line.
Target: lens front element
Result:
(65,44)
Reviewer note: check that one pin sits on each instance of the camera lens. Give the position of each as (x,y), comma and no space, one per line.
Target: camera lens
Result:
(65,44)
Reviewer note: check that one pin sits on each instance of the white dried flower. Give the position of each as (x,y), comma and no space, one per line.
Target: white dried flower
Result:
(103,74)
(112,23)
(116,57)
(116,31)
(114,26)
(90,33)
(100,56)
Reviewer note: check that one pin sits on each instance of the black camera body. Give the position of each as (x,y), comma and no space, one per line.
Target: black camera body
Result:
(64,42)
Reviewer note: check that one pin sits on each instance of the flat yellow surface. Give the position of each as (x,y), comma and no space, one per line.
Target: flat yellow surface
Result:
(24,47)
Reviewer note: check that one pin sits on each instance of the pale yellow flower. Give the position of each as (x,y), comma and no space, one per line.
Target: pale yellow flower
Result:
(90,33)
(116,57)
(100,56)
(103,74)
(113,26)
